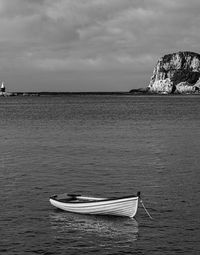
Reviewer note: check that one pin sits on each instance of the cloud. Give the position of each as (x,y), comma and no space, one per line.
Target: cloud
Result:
(59,35)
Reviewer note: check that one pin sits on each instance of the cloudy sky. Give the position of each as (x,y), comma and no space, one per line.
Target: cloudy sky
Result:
(91,45)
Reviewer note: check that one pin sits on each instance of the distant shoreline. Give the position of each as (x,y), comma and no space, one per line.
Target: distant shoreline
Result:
(71,93)
(131,93)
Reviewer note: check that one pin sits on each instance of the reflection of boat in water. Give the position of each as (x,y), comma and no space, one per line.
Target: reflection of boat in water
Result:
(101,226)
(123,206)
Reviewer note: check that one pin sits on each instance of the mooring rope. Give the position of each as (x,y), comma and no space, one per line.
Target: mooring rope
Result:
(146,209)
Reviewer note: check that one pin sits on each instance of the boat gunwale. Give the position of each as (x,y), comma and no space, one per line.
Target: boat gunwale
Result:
(77,201)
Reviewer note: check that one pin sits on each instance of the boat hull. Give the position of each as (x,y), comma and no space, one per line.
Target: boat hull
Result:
(119,207)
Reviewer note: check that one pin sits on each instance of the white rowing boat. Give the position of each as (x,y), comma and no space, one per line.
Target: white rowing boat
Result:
(122,206)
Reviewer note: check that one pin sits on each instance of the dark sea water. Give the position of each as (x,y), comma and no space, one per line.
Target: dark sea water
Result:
(100,146)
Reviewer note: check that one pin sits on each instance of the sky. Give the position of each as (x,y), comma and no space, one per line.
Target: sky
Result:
(91,45)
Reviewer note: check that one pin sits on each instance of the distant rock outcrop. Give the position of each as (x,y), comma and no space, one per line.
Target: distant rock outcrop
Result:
(176,73)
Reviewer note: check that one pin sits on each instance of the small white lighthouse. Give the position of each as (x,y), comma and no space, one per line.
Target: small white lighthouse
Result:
(3,88)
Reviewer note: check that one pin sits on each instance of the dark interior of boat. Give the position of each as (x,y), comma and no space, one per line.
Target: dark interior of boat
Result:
(72,198)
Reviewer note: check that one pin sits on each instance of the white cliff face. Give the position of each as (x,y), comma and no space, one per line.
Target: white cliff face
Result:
(176,73)
(184,87)
(162,86)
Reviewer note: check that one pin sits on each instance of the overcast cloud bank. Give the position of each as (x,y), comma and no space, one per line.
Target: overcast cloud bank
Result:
(91,45)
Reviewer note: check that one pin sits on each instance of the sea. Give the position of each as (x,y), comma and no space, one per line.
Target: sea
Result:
(100,145)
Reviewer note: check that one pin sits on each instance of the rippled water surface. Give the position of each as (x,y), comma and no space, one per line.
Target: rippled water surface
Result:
(100,146)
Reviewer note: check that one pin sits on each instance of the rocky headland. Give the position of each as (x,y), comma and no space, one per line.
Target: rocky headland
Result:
(176,73)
